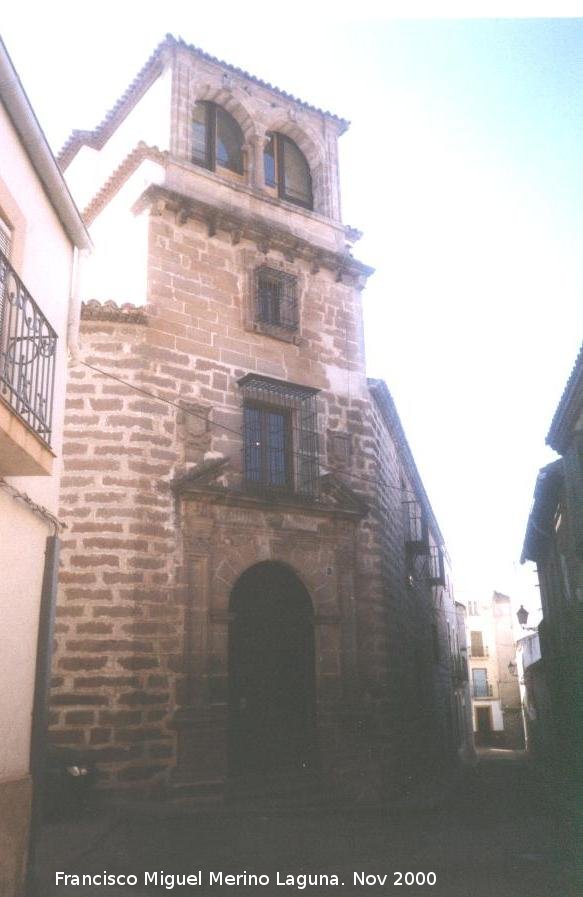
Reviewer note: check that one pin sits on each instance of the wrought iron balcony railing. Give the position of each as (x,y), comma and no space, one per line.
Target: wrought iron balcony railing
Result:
(436,566)
(416,530)
(28,346)
(483,690)
(459,668)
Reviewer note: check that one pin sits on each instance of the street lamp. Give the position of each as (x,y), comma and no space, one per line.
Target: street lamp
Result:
(522,615)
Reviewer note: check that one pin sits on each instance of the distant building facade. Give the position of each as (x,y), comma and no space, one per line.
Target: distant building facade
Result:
(254,581)
(554,541)
(462,688)
(496,700)
(40,233)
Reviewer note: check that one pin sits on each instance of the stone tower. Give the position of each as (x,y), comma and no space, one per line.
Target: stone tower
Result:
(253,580)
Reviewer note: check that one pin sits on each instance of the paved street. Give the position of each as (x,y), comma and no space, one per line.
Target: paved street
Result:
(502,835)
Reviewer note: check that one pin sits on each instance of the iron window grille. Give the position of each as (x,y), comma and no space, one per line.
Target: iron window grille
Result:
(416,531)
(286,168)
(280,437)
(217,139)
(481,688)
(436,566)
(28,346)
(5,238)
(276,298)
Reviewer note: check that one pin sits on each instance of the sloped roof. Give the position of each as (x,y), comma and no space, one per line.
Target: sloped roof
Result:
(17,105)
(569,407)
(540,519)
(147,74)
(118,178)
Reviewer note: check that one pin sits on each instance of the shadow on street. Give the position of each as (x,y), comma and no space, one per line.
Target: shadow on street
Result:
(500,831)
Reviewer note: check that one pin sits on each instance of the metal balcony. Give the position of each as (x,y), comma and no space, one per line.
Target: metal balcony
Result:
(28,346)
(459,668)
(416,530)
(482,691)
(436,566)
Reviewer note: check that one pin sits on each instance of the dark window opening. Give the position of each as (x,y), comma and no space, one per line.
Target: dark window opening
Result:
(217,139)
(477,644)
(280,439)
(267,447)
(286,168)
(276,298)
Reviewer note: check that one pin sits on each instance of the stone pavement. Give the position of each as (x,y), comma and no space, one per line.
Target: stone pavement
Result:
(500,834)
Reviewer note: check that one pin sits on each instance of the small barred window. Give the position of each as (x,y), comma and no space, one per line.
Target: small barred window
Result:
(276,298)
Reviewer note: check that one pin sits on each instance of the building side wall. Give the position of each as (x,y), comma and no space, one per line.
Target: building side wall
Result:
(42,256)
(118,626)
(116,270)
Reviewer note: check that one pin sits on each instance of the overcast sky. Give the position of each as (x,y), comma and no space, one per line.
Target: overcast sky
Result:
(463,168)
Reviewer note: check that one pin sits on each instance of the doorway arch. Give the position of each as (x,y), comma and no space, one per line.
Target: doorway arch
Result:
(271,672)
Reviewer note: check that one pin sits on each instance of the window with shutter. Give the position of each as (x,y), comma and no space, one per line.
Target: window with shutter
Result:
(286,169)
(217,139)
(477,644)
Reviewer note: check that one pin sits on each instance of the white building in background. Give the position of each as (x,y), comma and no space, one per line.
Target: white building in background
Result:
(41,233)
(496,704)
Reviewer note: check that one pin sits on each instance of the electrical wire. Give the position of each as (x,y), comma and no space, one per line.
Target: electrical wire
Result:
(37,509)
(145,392)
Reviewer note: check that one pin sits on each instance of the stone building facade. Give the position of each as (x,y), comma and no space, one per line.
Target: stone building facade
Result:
(554,541)
(253,581)
(496,700)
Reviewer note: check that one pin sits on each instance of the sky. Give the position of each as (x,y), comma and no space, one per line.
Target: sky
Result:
(462,167)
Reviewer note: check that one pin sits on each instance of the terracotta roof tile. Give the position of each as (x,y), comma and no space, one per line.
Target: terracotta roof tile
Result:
(556,435)
(94,310)
(98,136)
(119,176)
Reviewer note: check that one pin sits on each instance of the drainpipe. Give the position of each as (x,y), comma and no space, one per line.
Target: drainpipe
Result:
(79,267)
(38,738)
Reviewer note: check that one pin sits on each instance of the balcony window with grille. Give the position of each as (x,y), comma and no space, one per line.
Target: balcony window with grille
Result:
(280,438)
(480,685)
(276,298)
(416,532)
(286,169)
(217,139)
(436,566)
(28,346)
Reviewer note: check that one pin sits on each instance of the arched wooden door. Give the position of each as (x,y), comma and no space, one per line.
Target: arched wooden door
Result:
(271,672)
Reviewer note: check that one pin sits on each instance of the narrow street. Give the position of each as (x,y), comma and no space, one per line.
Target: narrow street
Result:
(501,834)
